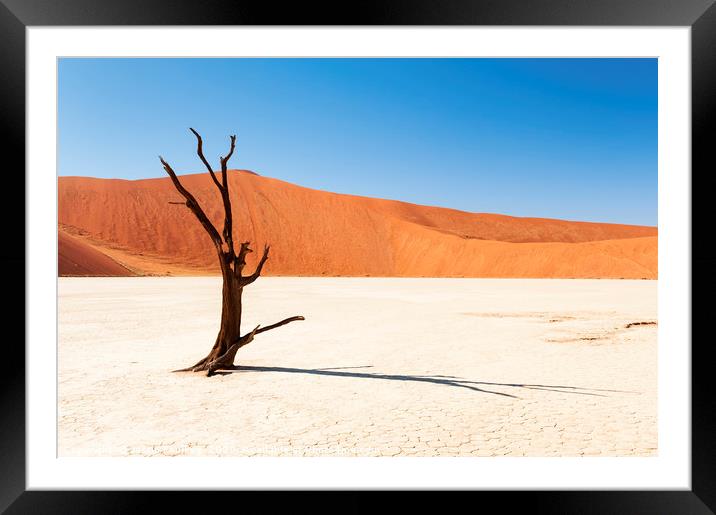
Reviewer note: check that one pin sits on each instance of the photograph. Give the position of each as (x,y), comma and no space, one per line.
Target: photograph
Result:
(357,257)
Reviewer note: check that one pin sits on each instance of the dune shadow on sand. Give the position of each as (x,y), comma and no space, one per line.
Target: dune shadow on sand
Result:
(434,379)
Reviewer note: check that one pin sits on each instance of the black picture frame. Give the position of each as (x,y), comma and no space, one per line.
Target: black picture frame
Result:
(16,15)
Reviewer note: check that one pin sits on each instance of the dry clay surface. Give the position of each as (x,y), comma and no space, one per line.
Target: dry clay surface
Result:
(380,367)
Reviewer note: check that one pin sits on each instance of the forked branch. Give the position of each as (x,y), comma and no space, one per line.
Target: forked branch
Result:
(251,278)
(200,153)
(228,217)
(226,360)
(225,160)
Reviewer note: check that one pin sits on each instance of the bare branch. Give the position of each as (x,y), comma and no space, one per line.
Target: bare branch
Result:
(200,153)
(192,204)
(225,160)
(278,324)
(228,217)
(240,258)
(251,278)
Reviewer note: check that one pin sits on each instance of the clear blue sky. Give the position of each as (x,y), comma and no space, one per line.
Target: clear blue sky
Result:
(560,138)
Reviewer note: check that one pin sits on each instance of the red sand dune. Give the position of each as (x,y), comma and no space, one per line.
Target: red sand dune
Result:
(77,258)
(314,232)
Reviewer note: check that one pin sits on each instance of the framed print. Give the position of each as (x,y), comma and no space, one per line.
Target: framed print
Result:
(424,248)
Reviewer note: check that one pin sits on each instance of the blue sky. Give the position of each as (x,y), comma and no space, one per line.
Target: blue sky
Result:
(559,138)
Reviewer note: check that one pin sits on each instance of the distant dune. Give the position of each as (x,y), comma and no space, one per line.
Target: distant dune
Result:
(77,258)
(318,233)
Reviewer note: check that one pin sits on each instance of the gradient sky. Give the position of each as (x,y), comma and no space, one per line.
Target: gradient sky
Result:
(560,138)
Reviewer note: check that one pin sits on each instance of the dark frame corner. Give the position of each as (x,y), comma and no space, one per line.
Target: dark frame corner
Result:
(700,15)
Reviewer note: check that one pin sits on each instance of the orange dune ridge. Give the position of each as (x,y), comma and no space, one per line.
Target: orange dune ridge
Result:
(317,233)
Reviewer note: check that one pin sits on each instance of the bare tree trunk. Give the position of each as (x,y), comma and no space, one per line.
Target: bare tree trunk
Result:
(229,339)
(230,328)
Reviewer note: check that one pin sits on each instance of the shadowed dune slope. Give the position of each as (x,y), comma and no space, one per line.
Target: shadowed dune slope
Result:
(77,258)
(314,232)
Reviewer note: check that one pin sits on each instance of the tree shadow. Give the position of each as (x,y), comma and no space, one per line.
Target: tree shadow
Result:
(434,379)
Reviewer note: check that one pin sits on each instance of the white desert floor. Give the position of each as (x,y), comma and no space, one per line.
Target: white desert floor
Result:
(380,367)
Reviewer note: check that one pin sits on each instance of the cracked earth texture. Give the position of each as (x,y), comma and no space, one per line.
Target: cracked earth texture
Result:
(380,367)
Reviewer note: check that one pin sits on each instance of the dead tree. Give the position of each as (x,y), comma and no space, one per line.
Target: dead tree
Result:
(229,340)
